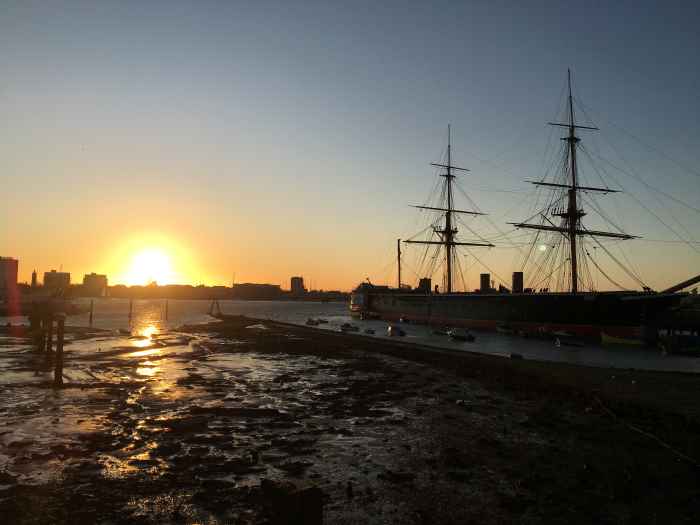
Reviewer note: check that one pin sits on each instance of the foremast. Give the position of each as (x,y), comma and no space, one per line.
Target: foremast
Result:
(448,234)
(571,228)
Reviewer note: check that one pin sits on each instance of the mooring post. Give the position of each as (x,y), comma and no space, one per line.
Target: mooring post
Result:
(92,310)
(35,327)
(33,319)
(131,310)
(58,370)
(166,309)
(49,331)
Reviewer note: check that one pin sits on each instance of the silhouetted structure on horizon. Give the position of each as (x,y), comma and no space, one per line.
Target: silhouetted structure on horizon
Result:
(297,286)
(256,291)
(57,281)
(94,285)
(8,276)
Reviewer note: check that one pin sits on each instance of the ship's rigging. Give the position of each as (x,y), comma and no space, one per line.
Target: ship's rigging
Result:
(570,227)
(447,233)
(558,246)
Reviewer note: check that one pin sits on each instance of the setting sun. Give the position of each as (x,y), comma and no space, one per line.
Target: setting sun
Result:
(152,257)
(150,265)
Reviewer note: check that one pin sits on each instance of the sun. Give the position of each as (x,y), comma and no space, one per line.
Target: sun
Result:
(150,265)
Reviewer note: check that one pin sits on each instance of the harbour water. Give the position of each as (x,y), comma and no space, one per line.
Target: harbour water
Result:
(149,317)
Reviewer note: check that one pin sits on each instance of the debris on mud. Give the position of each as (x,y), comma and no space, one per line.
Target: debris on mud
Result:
(234,423)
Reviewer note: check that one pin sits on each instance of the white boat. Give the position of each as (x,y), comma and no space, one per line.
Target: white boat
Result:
(459,334)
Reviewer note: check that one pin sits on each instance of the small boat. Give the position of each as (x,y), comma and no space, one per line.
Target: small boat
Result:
(567,341)
(370,331)
(322,321)
(312,322)
(347,327)
(613,340)
(562,334)
(680,344)
(394,331)
(504,329)
(458,334)
(441,331)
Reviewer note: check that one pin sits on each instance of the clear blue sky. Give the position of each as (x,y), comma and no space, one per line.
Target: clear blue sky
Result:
(271,139)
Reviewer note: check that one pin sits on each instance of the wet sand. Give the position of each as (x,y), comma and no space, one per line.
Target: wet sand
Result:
(258,422)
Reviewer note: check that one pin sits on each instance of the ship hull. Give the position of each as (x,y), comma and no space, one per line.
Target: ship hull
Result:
(587,315)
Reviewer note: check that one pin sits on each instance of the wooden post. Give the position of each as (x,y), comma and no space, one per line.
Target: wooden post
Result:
(92,310)
(131,310)
(166,309)
(40,338)
(35,324)
(58,370)
(48,319)
(34,319)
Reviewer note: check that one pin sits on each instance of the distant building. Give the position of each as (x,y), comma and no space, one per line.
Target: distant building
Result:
(297,286)
(54,280)
(34,279)
(95,285)
(8,276)
(256,291)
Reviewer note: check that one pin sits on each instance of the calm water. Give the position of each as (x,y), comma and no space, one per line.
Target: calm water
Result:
(149,316)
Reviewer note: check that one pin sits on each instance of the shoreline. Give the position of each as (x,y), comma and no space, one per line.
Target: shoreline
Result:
(671,391)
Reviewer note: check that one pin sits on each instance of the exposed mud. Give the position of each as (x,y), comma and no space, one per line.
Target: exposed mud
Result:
(223,424)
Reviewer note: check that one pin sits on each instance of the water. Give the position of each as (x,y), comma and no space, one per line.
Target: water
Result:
(148,317)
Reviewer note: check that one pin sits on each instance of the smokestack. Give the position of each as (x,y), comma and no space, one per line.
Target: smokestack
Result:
(485,283)
(517,282)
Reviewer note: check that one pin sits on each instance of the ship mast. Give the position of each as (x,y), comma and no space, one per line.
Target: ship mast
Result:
(448,234)
(571,228)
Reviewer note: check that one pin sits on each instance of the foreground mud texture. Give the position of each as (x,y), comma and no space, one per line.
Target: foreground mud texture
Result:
(252,422)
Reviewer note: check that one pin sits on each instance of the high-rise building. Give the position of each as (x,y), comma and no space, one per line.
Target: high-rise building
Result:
(8,275)
(54,280)
(34,279)
(95,285)
(297,286)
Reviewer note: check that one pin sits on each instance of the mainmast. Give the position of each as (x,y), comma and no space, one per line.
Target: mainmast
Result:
(573,215)
(571,227)
(449,233)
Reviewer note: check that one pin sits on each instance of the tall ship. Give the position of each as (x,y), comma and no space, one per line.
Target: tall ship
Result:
(558,228)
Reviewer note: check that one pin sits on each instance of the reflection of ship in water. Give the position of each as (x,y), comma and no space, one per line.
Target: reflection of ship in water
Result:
(559,254)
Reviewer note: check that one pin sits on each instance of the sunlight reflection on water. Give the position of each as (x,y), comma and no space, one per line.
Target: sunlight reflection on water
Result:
(146,352)
(148,371)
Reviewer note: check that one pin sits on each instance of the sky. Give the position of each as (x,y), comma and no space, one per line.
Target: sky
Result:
(260,140)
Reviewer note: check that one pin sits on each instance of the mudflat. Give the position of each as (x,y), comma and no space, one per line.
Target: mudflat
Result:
(248,421)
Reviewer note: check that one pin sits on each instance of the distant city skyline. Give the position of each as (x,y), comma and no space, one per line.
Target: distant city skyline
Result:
(198,140)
